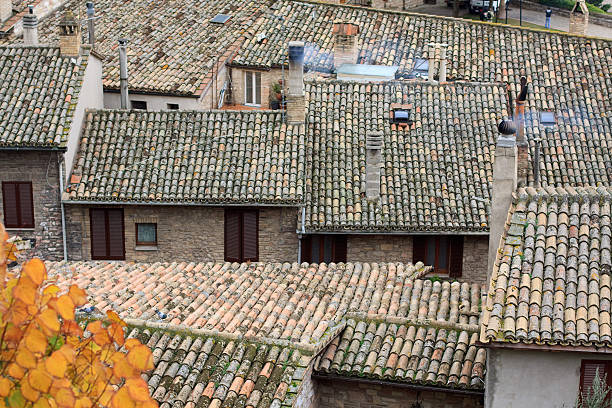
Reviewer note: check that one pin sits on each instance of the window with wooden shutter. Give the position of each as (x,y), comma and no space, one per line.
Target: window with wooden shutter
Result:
(107,233)
(18,204)
(324,248)
(443,252)
(589,369)
(241,235)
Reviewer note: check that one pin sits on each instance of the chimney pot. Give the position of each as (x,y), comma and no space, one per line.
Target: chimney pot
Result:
(296,104)
(70,35)
(437,61)
(123,74)
(30,27)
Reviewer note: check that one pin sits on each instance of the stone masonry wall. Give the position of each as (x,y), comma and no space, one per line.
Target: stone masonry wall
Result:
(475,257)
(396,4)
(41,168)
(267,78)
(187,233)
(351,394)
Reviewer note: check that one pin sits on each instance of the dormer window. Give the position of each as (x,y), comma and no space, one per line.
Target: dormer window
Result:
(547,119)
(421,68)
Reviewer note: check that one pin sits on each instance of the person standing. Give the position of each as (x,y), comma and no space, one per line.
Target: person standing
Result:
(548,15)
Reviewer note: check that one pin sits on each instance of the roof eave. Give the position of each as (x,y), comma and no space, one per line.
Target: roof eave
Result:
(183,203)
(546,347)
(395,232)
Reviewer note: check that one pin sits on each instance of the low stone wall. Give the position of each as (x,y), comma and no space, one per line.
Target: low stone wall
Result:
(597,19)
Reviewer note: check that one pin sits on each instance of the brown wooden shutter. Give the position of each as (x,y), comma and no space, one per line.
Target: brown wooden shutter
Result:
(306,248)
(250,236)
(9,199)
(116,245)
(339,248)
(26,206)
(455,269)
(233,227)
(419,249)
(97,222)
(588,370)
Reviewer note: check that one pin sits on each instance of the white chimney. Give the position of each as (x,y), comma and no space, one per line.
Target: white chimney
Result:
(436,54)
(296,103)
(30,27)
(374,145)
(6,10)
(504,184)
(123,74)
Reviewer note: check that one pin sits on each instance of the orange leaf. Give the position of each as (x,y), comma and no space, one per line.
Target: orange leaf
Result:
(42,403)
(25,358)
(28,392)
(65,307)
(114,317)
(78,295)
(95,327)
(35,270)
(83,402)
(40,380)
(18,313)
(51,290)
(131,343)
(48,321)
(15,371)
(13,334)
(35,341)
(150,403)
(116,332)
(138,389)
(5,386)
(121,367)
(122,399)
(65,398)
(71,328)
(25,291)
(102,338)
(68,352)
(56,364)
(141,358)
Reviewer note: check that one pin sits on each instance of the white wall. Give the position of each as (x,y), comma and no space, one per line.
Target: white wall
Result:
(543,379)
(90,97)
(112,100)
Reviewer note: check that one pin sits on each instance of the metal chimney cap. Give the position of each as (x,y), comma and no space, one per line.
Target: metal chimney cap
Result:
(123,42)
(31,9)
(506,127)
(90,8)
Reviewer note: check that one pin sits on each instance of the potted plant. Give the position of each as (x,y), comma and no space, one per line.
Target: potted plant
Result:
(276,96)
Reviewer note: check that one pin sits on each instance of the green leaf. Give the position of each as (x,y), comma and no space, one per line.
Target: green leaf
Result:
(16,400)
(56,342)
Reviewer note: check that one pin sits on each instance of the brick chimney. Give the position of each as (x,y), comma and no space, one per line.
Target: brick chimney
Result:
(374,145)
(69,36)
(504,184)
(30,27)
(579,18)
(6,10)
(346,50)
(436,53)
(521,140)
(296,104)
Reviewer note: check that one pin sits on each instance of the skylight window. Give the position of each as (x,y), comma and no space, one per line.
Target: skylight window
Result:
(220,18)
(401,116)
(547,119)
(421,68)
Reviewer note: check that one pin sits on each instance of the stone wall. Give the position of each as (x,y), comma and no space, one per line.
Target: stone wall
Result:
(267,79)
(335,393)
(475,256)
(41,168)
(187,233)
(397,4)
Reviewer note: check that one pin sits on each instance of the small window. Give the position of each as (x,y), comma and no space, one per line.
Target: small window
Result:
(324,248)
(400,116)
(140,105)
(241,235)
(589,369)
(444,253)
(547,119)
(18,204)
(220,18)
(421,68)
(253,88)
(146,234)
(173,106)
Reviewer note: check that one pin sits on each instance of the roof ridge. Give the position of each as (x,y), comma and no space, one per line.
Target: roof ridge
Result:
(182,111)
(426,322)
(550,192)
(415,82)
(461,20)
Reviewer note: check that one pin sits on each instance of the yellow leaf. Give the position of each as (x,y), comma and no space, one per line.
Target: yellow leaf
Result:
(5,386)
(68,352)
(35,270)
(40,380)
(56,364)
(121,367)
(65,398)
(65,307)
(114,317)
(51,290)
(25,358)
(15,371)
(25,292)
(122,399)
(48,321)
(141,358)
(28,392)
(131,343)
(42,403)
(138,389)
(78,295)
(35,341)
(83,402)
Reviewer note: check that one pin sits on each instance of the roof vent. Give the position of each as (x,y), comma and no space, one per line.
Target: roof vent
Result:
(374,145)
(221,18)
(547,119)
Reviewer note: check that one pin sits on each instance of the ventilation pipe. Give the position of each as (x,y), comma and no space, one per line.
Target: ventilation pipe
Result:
(91,34)
(296,104)
(30,27)
(123,74)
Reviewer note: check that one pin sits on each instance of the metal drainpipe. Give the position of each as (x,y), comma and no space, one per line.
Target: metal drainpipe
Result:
(61,173)
(123,74)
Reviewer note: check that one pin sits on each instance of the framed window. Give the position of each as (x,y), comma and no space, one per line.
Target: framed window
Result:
(241,235)
(18,204)
(324,248)
(140,105)
(443,252)
(173,106)
(590,368)
(252,87)
(146,234)
(107,233)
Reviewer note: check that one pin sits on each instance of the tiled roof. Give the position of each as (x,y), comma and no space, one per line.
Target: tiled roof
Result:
(190,157)
(194,368)
(172,45)
(281,301)
(551,280)
(477,51)
(399,350)
(39,90)
(436,172)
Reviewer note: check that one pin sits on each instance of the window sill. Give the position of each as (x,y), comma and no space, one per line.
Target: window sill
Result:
(21,229)
(253,105)
(145,248)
